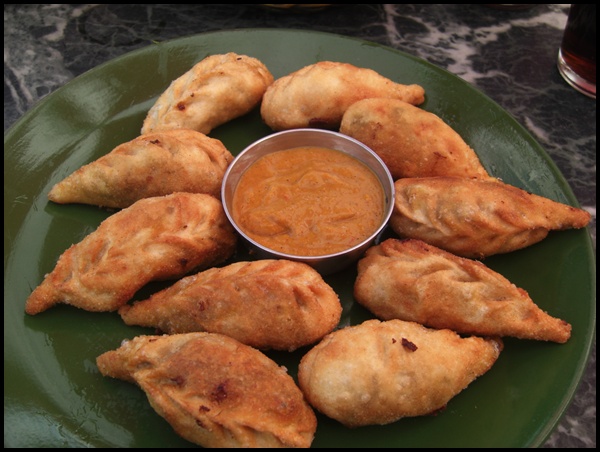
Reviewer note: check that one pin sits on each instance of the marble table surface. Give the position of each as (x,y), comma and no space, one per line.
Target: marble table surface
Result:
(510,55)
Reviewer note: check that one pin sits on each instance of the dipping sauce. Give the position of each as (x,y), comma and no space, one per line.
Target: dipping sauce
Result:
(308,201)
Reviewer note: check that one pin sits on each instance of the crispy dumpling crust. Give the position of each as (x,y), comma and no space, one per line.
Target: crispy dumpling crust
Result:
(154,239)
(317,95)
(214,91)
(379,372)
(215,391)
(150,165)
(477,218)
(411,280)
(268,304)
(411,142)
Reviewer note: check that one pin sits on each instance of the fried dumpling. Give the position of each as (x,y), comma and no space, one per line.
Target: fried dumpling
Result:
(411,142)
(214,91)
(155,164)
(215,391)
(379,372)
(268,304)
(317,95)
(477,218)
(154,239)
(411,280)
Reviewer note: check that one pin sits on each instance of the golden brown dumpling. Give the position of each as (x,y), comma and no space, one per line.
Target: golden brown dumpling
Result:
(216,90)
(477,218)
(318,95)
(411,280)
(379,372)
(215,391)
(268,304)
(411,142)
(150,165)
(153,239)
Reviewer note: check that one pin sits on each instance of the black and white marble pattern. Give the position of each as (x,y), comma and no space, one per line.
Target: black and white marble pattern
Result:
(510,55)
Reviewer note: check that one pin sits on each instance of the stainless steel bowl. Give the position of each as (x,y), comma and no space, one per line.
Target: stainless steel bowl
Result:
(329,263)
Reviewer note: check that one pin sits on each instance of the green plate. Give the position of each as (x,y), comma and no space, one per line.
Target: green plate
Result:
(54,395)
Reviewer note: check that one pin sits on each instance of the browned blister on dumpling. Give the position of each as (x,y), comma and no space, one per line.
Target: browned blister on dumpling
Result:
(317,95)
(214,91)
(411,280)
(475,217)
(268,304)
(411,142)
(155,164)
(156,238)
(379,372)
(215,391)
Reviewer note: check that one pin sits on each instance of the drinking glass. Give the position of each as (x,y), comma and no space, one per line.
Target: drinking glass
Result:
(577,53)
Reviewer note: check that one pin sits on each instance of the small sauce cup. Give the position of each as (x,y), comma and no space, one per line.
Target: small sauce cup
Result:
(295,138)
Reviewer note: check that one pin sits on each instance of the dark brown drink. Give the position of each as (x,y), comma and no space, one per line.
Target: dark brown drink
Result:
(577,54)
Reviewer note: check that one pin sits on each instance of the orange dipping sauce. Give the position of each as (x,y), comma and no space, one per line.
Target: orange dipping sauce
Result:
(308,201)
